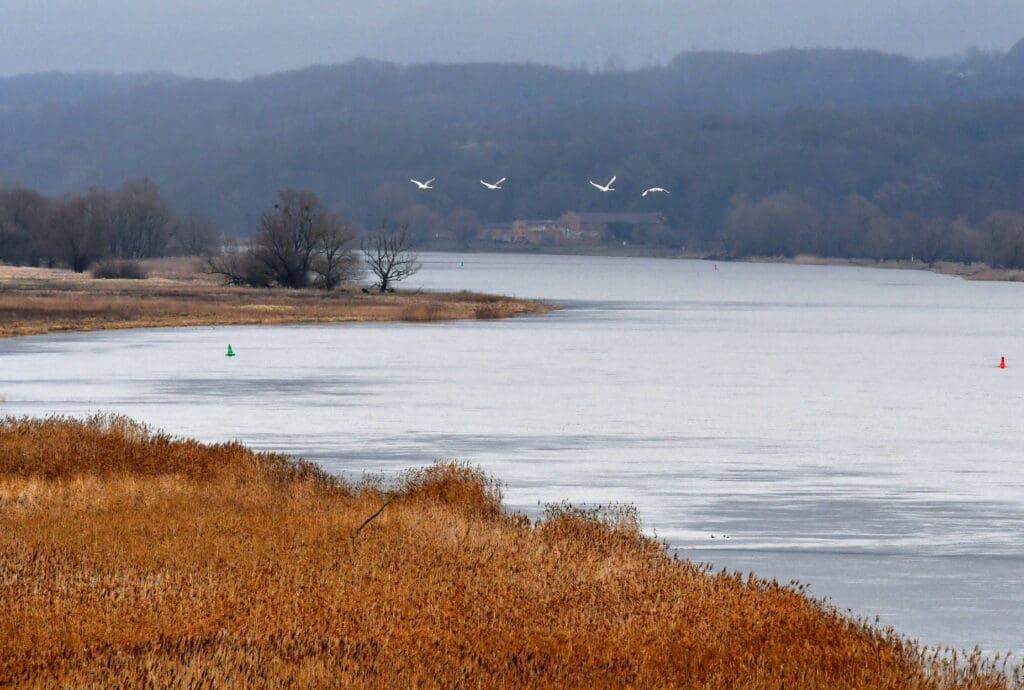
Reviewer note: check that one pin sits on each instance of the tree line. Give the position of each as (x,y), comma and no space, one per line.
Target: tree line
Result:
(786,224)
(298,243)
(132,221)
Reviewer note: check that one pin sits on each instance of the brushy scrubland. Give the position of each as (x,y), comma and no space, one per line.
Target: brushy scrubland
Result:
(34,301)
(128,558)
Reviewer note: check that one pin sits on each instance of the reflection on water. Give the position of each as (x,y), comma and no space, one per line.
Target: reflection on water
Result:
(845,427)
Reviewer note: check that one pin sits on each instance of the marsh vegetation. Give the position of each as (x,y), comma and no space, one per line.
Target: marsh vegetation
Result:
(34,301)
(128,557)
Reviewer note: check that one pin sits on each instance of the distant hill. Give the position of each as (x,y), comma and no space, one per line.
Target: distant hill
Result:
(1015,57)
(712,126)
(61,87)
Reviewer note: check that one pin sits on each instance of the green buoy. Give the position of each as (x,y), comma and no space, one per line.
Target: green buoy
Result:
(231,353)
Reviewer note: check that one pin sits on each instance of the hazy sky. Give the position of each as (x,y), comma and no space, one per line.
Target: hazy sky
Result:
(238,38)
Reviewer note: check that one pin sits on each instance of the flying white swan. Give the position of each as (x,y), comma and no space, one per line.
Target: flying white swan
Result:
(605,187)
(423,185)
(496,185)
(655,190)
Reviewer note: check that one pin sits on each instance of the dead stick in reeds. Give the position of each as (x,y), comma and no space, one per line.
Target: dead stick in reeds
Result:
(372,517)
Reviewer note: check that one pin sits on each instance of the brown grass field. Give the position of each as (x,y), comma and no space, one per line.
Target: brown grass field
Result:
(131,559)
(35,301)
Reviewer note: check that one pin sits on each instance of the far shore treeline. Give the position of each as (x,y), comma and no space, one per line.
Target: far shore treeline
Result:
(829,152)
(132,221)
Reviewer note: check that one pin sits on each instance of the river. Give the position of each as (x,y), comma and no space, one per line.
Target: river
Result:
(846,427)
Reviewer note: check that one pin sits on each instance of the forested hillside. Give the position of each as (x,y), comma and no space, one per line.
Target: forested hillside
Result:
(836,152)
(45,88)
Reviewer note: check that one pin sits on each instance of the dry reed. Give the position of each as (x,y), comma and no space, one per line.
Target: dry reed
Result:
(128,558)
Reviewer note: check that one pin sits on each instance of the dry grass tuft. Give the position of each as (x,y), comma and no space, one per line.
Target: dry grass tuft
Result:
(114,446)
(129,558)
(453,485)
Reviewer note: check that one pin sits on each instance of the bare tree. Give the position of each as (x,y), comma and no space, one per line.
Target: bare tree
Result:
(780,224)
(288,236)
(1005,231)
(299,238)
(24,215)
(335,261)
(389,256)
(80,229)
(298,242)
(193,235)
(238,265)
(140,221)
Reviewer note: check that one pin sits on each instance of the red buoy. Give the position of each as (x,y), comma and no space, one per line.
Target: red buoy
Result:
(1002,362)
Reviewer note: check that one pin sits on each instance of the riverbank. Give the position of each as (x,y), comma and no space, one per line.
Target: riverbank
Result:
(34,301)
(130,558)
(973,271)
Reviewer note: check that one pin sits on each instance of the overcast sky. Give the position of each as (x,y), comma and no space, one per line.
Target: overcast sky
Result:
(239,38)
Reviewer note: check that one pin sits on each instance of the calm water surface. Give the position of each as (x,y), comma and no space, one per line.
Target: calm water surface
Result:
(846,427)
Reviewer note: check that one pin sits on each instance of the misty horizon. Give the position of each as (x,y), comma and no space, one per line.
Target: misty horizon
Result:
(613,63)
(232,41)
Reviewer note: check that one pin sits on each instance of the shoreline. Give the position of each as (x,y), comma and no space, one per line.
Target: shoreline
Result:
(974,271)
(36,301)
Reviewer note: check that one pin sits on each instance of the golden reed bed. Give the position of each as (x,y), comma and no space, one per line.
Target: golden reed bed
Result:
(35,301)
(131,559)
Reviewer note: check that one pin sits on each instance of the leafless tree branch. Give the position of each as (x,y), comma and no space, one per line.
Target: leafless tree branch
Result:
(389,256)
